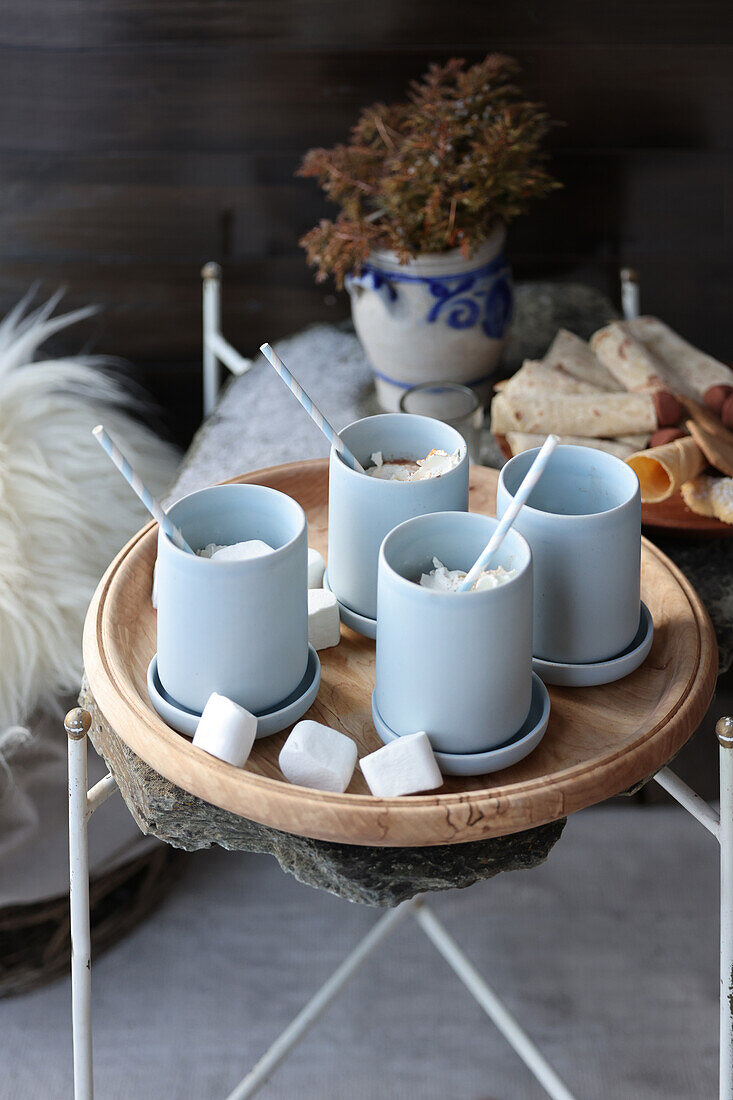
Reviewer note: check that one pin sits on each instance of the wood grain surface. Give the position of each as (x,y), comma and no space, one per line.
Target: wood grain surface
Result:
(600,741)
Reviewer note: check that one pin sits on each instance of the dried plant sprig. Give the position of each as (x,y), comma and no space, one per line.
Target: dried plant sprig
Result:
(436,172)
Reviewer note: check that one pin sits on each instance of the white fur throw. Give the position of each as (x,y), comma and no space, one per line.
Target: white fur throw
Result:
(64,509)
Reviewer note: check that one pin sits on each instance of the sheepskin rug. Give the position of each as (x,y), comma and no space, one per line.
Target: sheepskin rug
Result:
(64,509)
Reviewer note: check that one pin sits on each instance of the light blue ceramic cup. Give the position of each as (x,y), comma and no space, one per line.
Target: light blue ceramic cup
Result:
(239,628)
(455,664)
(583,522)
(362,509)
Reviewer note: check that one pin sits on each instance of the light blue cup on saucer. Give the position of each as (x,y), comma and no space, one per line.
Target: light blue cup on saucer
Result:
(239,628)
(363,509)
(455,664)
(583,522)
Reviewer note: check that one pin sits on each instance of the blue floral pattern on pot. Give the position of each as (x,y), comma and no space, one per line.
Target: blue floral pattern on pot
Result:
(483,297)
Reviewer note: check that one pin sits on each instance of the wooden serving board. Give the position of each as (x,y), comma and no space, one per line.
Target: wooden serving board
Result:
(671,516)
(600,741)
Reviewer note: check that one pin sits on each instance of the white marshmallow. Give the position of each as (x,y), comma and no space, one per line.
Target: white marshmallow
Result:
(241,551)
(226,730)
(317,756)
(316,568)
(324,623)
(404,766)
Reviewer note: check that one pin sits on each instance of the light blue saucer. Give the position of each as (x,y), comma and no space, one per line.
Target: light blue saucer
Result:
(269,721)
(493,760)
(601,672)
(360,623)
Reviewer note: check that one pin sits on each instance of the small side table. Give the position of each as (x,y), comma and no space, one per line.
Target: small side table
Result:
(600,742)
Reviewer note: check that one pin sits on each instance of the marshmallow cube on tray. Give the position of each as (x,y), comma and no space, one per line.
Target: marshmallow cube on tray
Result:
(406,765)
(226,730)
(316,568)
(324,621)
(317,756)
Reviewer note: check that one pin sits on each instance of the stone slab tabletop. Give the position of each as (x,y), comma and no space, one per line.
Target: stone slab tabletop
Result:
(258,423)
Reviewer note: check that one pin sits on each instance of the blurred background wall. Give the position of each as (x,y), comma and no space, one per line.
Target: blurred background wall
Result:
(139,138)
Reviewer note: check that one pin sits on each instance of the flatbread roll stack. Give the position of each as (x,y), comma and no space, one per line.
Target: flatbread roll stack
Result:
(527,441)
(534,377)
(569,354)
(595,416)
(663,470)
(631,363)
(699,374)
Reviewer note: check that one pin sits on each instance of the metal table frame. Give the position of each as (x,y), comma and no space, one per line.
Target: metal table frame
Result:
(83,803)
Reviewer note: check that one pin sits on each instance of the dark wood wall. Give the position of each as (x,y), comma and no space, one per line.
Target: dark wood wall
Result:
(139,138)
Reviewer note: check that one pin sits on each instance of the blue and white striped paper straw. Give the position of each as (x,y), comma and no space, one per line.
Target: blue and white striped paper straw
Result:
(313,411)
(533,475)
(141,491)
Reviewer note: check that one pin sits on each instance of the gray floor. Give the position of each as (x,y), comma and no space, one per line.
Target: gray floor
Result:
(608,954)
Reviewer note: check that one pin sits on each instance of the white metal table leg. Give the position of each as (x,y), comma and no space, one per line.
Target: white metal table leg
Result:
(310,1013)
(724,731)
(689,800)
(77,725)
(494,1008)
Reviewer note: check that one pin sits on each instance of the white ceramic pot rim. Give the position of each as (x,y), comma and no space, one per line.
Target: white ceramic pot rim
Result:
(440,263)
(485,594)
(392,486)
(564,516)
(197,562)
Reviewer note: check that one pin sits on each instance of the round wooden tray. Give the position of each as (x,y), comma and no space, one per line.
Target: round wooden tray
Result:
(600,741)
(672,516)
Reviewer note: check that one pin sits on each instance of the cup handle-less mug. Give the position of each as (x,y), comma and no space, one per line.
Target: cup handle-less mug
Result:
(457,665)
(583,523)
(363,509)
(239,628)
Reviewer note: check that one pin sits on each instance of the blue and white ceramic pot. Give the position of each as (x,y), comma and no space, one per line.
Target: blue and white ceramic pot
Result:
(439,317)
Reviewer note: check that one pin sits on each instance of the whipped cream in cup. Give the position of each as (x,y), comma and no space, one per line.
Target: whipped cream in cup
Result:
(435,463)
(442,579)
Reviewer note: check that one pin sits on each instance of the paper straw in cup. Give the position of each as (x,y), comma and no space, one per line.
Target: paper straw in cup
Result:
(313,411)
(534,473)
(139,489)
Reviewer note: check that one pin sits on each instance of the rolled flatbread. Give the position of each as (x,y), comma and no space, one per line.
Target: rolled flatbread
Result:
(710,496)
(571,355)
(698,372)
(631,363)
(534,377)
(638,442)
(527,441)
(663,470)
(601,416)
